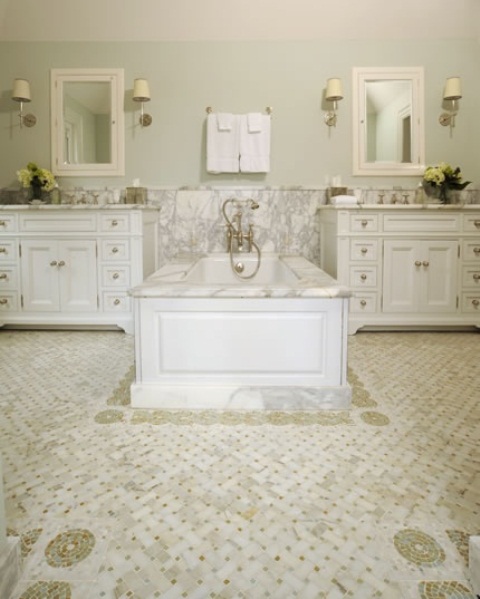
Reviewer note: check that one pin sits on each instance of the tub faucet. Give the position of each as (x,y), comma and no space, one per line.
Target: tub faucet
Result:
(235,227)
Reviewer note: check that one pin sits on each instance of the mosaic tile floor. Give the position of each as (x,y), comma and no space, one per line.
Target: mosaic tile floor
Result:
(111,503)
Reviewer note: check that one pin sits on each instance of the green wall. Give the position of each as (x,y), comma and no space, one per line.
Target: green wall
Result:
(240,77)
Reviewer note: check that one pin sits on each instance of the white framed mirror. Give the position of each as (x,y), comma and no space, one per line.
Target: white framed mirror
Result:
(87,122)
(388,121)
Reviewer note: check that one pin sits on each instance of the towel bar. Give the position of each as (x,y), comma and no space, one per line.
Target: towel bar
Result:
(268,110)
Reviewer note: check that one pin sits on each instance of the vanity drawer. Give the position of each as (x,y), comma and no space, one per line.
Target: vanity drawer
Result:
(471,276)
(471,303)
(8,251)
(80,222)
(368,222)
(421,223)
(116,276)
(361,276)
(8,302)
(8,277)
(8,223)
(115,249)
(363,302)
(363,249)
(116,302)
(471,251)
(115,222)
(471,223)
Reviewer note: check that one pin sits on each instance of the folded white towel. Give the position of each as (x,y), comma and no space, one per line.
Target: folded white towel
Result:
(255,147)
(225,121)
(343,200)
(223,146)
(254,122)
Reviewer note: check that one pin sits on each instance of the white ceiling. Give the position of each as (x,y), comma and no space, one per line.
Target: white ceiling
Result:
(153,20)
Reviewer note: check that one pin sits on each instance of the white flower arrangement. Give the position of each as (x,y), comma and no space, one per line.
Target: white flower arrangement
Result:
(34,175)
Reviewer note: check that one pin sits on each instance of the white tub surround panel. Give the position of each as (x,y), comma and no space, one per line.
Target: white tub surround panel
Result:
(71,266)
(408,266)
(277,344)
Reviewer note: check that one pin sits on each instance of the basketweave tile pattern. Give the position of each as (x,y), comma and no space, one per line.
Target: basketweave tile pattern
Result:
(170,504)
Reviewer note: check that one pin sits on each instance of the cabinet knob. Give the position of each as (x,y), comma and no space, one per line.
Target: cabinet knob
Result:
(364,250)
(115,250)
(363,303)
(3,223)
(476,250)
(476,302)
(477,223)
(61,263)
(114,223)
(476,277)
(426,263)
(3,301)
(3,250)
(3,276)
(116,302)
(115,275)
(53,263)
(363,276)
(418,263)
(364,223)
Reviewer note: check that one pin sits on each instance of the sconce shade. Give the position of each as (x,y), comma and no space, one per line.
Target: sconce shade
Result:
(21,90)
(334,90)
(453,90)
(141,90)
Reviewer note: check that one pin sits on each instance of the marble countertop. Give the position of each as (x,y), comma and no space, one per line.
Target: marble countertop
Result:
(48,207)
(170,281)
(400,207)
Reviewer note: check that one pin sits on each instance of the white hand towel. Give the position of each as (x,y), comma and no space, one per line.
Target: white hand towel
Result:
(255,146)
(223,146)
(225,121)
(254,122)
(343,200)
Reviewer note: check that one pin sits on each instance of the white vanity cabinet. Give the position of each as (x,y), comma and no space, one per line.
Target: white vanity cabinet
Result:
(73,266)
(408,266)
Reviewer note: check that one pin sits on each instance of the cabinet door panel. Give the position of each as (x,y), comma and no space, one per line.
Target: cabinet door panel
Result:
(400,277)
(439,283)
(78,276)
(40,275)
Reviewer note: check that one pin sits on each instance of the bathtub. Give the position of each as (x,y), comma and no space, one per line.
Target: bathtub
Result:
(205,339)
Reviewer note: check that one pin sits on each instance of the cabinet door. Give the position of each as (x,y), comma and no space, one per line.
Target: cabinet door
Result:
(401,277)
(439,280)
(77,270)
(420,276)
(39,265)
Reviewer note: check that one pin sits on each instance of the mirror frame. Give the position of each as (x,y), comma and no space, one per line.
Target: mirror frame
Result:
(361,75)
(58,77)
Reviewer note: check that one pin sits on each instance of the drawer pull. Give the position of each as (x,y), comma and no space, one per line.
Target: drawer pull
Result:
(114,223)
(364,223)
(3,301)
(418,263)
(364,250)
(115,250)
(476,277)
(116,302)
(363,276)
(3,223)
(115,275)
(3,276)
(426,263)
(477,223)
(476,250)
(363,303)
(3,250)
(476,302)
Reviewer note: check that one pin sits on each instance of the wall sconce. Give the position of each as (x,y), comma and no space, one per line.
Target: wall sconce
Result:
(141,93)
(451,93)
(21,93)
(333,94)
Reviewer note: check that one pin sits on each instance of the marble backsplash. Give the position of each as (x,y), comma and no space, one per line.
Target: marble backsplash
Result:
(191,219)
